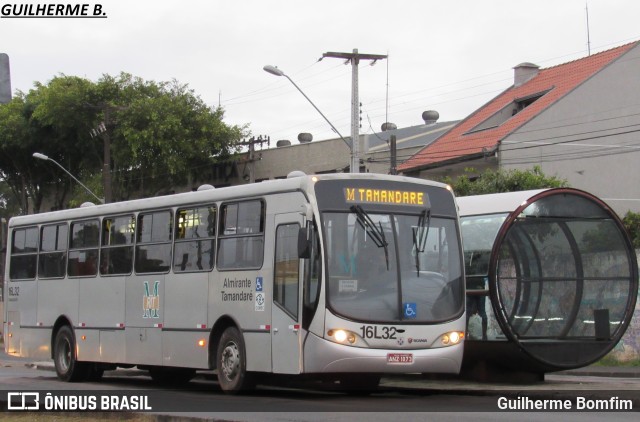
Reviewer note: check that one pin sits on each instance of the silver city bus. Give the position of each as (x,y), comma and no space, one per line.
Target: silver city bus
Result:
(326,275)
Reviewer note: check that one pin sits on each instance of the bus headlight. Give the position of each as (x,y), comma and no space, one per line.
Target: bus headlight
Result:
(451,338)
(342,336)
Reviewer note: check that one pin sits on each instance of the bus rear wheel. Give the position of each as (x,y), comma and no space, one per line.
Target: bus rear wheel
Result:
(64,356)
(232,362)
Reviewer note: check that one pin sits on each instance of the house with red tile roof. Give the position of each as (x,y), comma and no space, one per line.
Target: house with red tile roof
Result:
(579,121)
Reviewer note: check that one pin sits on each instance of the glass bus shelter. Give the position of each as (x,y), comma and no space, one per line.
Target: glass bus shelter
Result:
(552,279)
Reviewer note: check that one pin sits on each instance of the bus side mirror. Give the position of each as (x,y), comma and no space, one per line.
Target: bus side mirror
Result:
(304,242)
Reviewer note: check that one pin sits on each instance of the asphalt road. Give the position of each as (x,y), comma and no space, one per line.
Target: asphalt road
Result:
(399,399)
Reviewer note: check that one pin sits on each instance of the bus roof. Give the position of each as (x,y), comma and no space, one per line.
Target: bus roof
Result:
(302,183)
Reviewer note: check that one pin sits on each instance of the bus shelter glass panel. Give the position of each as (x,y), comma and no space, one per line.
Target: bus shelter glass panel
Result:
(607,276)
(387,267)
(478,236)
(564,273)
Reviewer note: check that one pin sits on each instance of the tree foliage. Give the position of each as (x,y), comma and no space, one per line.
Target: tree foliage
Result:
(9,205)
(631,222)
(498,181)
(162,135)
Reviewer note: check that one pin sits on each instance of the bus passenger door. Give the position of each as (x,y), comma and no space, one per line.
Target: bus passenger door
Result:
(286,310)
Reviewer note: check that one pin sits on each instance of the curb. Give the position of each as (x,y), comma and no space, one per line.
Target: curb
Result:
(602,371)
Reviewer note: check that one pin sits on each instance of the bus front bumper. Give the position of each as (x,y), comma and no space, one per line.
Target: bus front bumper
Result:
(323,356)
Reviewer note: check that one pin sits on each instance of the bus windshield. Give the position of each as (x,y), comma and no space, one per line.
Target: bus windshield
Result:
(387,267)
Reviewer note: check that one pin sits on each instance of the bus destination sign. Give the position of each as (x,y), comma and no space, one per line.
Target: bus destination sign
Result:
(385,196)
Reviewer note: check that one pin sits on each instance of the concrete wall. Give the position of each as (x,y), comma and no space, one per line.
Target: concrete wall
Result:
(628,349)
(597,128)
(312,157)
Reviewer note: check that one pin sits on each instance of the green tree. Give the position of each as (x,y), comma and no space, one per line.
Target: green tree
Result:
(62,120)
(497,181)
(19,138)
(164,135)
(161,135)
(9,205)
(631,222)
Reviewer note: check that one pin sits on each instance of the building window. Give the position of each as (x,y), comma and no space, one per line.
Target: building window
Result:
(508,111)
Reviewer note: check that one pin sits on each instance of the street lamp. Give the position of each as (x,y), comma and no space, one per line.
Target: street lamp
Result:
(275,71)
(46,158)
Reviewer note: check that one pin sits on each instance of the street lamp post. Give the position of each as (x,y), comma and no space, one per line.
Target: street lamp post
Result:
(46,158)
(275,71)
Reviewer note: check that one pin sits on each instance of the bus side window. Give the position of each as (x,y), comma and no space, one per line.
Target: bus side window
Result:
(117,245)
(24,254)
(195,241)
(241,242)
(53,251)
(153,249)
(83,249)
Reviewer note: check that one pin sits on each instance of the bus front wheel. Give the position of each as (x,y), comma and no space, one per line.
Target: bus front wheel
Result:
(67,366)
(232,362)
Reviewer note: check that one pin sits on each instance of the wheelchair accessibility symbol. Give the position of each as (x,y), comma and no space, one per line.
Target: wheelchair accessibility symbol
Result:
(410,310)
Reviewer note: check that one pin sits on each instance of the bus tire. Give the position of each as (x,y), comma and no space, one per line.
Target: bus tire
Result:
(231,361)
(67,366)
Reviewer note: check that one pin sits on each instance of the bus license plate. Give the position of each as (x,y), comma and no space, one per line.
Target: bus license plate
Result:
(400,358)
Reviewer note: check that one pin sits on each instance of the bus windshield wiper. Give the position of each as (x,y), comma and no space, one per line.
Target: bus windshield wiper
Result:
(420,235)
(376,232)
(385,243)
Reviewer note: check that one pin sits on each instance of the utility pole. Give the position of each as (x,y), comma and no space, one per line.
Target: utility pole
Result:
(393,154)
(355,58)
(106,168)
(102,130)
(5,79)
(252,149)
(588,34)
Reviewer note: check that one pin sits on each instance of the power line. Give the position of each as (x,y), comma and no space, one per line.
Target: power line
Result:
(449,153)
(278,86)
(600,151)
(398,108)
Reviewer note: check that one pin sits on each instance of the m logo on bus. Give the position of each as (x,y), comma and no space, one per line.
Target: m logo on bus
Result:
(151,301)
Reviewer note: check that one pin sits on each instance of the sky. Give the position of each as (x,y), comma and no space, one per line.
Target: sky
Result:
(450,56)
